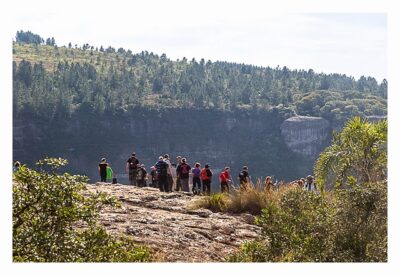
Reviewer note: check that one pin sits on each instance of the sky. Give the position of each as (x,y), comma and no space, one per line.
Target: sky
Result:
(353,37)
(351,43)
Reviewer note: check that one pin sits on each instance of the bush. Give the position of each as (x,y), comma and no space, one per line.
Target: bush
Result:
(348,225)
(54,221)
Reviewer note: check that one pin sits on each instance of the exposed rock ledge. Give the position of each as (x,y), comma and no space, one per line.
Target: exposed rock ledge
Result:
(305,135)
(167,223)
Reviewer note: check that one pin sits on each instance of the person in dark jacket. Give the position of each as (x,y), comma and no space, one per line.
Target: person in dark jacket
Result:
(162,174)
(131,167)
(103,170)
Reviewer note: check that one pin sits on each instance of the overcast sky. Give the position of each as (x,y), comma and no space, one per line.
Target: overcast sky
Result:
(347,43)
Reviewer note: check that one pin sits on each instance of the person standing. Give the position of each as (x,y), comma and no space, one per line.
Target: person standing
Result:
(225,179)
(244,178)
(178,185)
(196,179)
(162,174)
(206,177)
(103,170)
(268,184)
(131,167)
(310,183)
(169,173)
(183,171)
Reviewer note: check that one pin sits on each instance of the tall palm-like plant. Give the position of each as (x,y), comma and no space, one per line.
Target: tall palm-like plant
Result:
(357,154)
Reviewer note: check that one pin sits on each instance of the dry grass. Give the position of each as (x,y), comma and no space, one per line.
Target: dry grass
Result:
(250,200)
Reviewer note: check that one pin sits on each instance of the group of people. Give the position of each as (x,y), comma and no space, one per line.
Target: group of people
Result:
(169,176)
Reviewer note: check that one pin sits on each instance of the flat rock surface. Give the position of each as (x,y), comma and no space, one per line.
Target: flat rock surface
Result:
(168,223)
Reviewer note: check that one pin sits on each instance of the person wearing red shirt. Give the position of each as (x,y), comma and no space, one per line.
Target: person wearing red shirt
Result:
(225,179)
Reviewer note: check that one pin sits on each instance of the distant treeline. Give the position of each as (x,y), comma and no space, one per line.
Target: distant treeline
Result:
(51,81)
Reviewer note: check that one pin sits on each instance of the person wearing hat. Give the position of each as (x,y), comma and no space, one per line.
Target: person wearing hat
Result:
(206,177)
(244,178)
(103,170)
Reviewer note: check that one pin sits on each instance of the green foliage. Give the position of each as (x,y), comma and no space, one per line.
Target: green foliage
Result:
(28,37)
(347,225)
(358,152)
(55,219)
(217,202)
(115,82)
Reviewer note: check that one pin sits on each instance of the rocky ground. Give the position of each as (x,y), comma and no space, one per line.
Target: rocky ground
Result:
(168,223)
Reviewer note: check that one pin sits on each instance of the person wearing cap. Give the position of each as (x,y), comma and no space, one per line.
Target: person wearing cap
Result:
(131,167)
(225,179)
(244,178)
(103,170)
(206,177)
(141,175)
(183,171)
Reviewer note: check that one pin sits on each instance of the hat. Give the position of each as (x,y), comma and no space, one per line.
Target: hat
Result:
(166,156)
(160,158)
(103,159)
(245,168)
(133,154)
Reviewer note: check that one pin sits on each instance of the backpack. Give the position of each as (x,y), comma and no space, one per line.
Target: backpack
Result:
(184,169)
(133,163)
(208,173)
(162,168)
(242,176)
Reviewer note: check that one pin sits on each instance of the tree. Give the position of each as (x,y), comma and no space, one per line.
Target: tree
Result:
(55,219)
(358,154)
(28,37)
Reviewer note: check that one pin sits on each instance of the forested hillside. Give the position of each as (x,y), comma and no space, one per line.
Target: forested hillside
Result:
(54,84)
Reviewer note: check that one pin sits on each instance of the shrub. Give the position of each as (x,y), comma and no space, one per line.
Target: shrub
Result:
(54,221)
(347,225)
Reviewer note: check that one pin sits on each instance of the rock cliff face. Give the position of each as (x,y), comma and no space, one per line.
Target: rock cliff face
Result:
(306,135)
(167,223)
(219,138)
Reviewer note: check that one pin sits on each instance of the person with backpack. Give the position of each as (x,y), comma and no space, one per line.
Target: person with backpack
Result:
(206,177)
(244,178)
(103,170)
(153,176)
(162,174)
(141,175)
(225,179)
(131,167)
(183,171)
(196,182)
(109,173)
